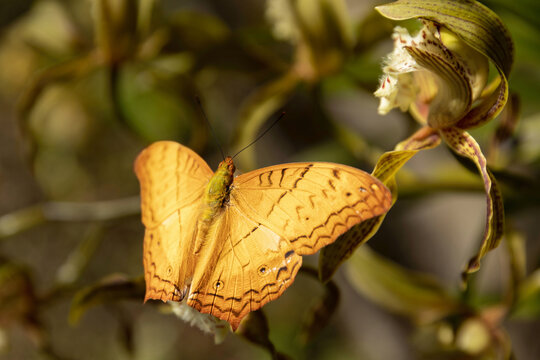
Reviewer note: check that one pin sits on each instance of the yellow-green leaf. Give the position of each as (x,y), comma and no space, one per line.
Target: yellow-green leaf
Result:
(387,166)
(465,145)
(398,289)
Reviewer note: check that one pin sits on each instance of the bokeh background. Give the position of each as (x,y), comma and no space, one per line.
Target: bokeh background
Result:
(86,85)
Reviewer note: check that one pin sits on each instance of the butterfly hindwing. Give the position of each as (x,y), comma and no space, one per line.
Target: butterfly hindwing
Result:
(255,266)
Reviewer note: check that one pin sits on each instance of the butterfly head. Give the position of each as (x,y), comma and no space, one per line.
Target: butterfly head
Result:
(227,165)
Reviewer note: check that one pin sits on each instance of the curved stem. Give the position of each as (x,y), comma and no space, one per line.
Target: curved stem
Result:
(27,218)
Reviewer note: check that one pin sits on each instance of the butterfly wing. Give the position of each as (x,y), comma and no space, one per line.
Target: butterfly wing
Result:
(275,215)
(309,204)
(172,179)
(255,265)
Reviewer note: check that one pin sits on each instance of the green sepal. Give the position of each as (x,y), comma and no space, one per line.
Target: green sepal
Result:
(464,145)
(333,255)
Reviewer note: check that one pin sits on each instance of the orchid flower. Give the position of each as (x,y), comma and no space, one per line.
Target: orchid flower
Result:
(440,76)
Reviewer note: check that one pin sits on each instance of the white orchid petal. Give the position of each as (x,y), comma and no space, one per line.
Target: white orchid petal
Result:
(458,80)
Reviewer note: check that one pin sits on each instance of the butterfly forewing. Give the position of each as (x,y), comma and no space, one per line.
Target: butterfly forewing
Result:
(172,179)
(309,204)
(171,176)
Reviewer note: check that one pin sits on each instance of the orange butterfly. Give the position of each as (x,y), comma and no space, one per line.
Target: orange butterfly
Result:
(228,245)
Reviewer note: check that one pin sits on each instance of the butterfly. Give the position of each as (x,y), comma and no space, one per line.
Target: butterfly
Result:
(228,245)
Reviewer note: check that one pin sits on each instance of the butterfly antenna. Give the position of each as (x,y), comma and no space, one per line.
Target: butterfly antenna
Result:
(209,125)
(262,134)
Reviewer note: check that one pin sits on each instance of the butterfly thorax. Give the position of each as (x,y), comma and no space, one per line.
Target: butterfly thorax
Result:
(215,196)
(217,190)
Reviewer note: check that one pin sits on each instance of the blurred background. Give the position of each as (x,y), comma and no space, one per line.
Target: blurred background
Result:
(86,85)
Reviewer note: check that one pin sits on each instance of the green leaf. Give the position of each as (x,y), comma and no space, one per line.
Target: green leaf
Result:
(110,289)
(333,255)
(464,144)
(477,26)
(398,289)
